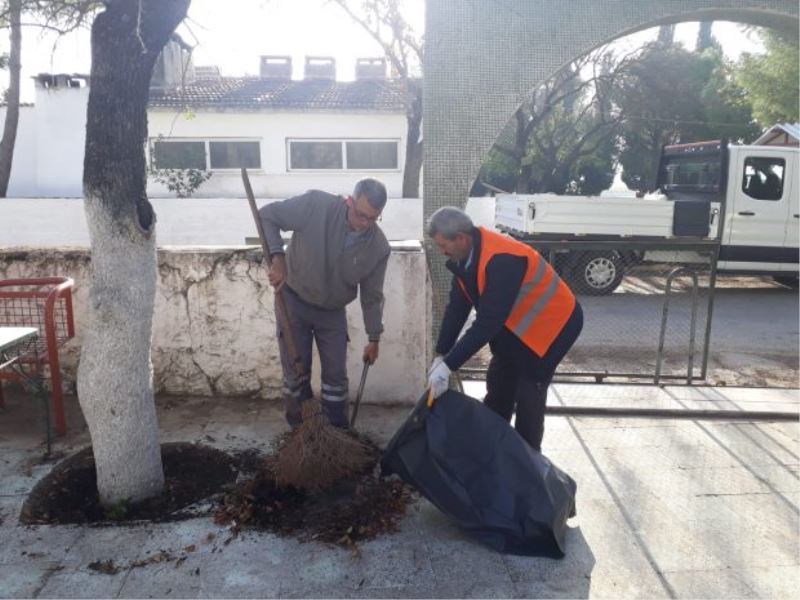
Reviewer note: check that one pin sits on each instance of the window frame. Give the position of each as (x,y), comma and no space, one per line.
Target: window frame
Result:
(343,142)
(207,148)
(776,160)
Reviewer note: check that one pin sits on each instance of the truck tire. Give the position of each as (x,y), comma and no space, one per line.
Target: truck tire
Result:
(596,273)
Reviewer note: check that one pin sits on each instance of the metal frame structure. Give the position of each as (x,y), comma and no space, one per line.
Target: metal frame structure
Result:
(21,357)
(46,304)
(550,248)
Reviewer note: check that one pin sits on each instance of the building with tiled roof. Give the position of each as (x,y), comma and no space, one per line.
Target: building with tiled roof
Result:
(291,134)
(256,93)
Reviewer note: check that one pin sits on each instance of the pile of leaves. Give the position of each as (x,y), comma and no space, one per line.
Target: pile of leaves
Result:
(356,508)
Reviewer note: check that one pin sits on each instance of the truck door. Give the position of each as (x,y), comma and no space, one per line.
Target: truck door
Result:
(757,211)
(793,222)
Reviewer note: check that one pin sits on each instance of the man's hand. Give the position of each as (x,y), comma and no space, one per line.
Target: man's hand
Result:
(436,360)
(277,272)
(439,379)
(371,353)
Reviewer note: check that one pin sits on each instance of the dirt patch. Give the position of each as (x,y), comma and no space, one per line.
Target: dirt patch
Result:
(68,494)
(351,511)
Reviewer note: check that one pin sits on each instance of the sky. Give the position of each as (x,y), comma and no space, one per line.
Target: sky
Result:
(295,27)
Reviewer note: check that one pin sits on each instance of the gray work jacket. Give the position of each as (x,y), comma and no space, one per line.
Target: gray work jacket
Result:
(320,269)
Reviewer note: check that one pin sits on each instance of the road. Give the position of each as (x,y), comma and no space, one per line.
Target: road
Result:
(754,333)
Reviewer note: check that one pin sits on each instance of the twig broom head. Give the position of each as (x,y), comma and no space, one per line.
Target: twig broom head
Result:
(316,454)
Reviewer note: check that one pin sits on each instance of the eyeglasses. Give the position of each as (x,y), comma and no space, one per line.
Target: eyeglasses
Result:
(364,217)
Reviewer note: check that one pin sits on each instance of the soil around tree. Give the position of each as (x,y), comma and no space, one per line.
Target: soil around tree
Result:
(353,510)
(68,494)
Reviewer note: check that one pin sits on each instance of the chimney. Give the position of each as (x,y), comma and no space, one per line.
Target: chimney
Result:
(276,67)
(370,68)
(60,80)
(207,72)
(320,67)
(174,65)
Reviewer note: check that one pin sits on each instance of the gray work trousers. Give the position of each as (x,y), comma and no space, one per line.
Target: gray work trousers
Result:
(329,329)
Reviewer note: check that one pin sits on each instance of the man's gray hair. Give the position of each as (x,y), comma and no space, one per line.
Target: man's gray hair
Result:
(449,221)
(374,190)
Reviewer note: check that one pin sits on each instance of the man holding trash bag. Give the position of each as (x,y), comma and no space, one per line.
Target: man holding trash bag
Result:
(524,311)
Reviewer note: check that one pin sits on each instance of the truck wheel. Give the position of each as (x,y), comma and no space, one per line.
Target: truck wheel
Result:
(597,274)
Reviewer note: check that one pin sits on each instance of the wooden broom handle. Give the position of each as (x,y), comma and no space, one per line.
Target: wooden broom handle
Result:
(283,309)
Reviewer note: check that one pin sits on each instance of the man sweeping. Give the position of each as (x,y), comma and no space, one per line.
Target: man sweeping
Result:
(337,251)
(524,311)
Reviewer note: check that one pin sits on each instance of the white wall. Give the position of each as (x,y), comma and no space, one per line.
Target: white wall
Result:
(272,128)
(214,322)
(23,166)
(60,140)
(49,222)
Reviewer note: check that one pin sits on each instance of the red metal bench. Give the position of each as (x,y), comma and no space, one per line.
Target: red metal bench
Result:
(44,303)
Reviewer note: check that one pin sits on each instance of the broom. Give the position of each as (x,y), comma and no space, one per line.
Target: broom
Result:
(316,454)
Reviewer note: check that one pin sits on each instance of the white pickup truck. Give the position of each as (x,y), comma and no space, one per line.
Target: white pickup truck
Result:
(756,188)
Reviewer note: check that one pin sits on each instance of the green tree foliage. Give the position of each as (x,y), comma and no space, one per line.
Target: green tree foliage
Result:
(771,80)
(607,109)
(672,95)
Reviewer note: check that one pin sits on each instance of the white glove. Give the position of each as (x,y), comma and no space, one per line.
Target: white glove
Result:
(436,361)
(439,379)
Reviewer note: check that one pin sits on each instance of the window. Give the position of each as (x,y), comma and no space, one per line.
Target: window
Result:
(694,173)
(763,177)
(179,155)
(205,154)
(371,155)
(315,155)
(347,155)
(235,155)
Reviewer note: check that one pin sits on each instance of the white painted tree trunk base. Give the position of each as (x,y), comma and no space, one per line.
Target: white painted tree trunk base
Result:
(115,376)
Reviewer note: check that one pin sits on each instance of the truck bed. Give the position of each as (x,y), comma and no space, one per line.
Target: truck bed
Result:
(548,216)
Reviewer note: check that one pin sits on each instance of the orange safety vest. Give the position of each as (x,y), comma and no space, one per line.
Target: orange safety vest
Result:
(544,302)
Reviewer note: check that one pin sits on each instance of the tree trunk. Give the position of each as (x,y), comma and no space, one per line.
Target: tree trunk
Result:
(414,147)
(12,106)
(115,382)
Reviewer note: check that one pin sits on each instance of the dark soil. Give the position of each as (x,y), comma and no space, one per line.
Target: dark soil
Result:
(68,494)
(353,510)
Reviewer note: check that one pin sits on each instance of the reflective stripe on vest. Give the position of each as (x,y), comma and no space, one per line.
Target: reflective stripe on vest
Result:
(544,302)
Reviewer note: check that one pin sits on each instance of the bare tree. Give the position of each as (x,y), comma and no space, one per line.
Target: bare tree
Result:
(12,97)
(404,49)
(564,121)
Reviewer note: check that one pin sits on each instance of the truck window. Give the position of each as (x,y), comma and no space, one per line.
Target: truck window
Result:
(763,177)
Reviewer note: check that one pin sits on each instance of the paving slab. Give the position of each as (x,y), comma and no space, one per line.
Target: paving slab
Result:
(666,508)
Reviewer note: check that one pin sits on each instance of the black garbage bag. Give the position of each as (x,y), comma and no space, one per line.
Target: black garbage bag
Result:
(471,464)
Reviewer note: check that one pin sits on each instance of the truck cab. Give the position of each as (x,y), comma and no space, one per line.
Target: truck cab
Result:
(756,188)
(762,216)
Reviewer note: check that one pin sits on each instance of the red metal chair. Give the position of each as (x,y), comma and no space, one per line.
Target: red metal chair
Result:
(44,303)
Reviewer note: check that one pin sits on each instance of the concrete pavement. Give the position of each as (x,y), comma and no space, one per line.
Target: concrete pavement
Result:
(666,509)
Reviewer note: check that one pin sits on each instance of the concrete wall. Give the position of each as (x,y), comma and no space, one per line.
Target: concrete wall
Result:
(273,129)
(50,222)
(214,323)
(489,56)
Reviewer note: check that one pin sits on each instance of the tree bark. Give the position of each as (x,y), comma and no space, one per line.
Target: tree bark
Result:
(414,148)
(12,106)
(115,379)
